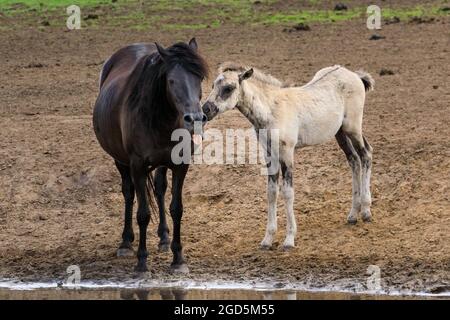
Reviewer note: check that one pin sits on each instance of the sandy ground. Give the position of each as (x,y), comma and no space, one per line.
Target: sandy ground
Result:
(60,200)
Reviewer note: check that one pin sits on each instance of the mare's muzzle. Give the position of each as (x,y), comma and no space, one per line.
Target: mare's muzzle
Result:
(194,117)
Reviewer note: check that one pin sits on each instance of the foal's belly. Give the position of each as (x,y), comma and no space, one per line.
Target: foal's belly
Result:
(320,129)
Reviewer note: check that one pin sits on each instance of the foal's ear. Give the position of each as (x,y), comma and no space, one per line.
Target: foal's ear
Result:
(245,75)
(162,52)
(193,44)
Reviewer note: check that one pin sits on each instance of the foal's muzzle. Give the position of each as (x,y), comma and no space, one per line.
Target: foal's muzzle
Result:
(210,109)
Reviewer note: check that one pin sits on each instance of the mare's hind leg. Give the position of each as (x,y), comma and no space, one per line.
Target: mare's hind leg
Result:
(160,190)
(355,164)
(139,172)
(125,248)
(364,151)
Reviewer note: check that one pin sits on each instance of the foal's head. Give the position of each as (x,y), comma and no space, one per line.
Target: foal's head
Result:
(226,90)
(185,70)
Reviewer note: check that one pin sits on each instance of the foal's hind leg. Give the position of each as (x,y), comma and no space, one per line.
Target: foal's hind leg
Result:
(355,164)
(287,190)
(160,190)
(364,151)
(126,249)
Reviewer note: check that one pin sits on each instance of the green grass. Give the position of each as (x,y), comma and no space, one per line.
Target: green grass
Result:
(189,14)
(309,16)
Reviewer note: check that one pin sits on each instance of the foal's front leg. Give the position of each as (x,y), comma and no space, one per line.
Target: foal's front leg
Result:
(139,176)
(272,195)
(176,211)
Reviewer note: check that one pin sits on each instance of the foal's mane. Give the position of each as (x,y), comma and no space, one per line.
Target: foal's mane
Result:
(148,83)
(257,74)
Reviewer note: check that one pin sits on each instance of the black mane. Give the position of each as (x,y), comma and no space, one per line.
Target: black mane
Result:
(148,83)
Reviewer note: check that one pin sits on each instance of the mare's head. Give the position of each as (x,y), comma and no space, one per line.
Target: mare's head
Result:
(184,71)
(166,87)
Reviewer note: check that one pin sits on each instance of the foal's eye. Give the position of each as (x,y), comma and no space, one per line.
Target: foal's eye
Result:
(227,90)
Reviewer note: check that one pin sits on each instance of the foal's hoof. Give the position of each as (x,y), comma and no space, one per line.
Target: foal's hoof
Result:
(179,268)
(163,247)
(366,216)
(265,247)
(125,253)
(352,220)
(288,247)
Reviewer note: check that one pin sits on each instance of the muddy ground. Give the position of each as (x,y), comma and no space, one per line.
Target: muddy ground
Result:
(60,199)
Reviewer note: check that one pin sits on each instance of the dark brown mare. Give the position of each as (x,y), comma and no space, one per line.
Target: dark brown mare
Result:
(146,92)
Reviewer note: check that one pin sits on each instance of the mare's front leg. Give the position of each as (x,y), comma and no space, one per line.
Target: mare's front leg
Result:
(176,211)
(126,248)
(287,190)
(160,190)
(139,176)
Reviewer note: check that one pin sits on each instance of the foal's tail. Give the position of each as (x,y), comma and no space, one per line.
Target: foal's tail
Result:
(151,194)
(366,79)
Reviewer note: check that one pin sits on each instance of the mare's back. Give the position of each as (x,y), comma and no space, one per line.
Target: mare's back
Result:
(123,62)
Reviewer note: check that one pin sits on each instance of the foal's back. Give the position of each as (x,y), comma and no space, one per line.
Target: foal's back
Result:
(334,98)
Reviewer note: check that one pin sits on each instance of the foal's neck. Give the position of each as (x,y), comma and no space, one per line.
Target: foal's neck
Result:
(254,105)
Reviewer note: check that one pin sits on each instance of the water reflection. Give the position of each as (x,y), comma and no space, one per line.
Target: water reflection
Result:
(183,294)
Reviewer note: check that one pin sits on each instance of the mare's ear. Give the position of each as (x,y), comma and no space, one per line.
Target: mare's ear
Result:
(162,52)
(245,75)
(193,44)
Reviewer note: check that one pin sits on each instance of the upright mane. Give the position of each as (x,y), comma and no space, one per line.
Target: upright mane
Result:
(257,74)
(148,82)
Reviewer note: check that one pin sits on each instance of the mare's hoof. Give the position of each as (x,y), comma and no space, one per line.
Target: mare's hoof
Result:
(179,268)
(163,247)
(125,253)
(141,267)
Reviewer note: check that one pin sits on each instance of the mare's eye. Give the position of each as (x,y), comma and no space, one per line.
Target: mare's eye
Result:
(171,81)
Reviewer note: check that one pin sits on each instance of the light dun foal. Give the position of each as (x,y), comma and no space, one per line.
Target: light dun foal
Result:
(330,105)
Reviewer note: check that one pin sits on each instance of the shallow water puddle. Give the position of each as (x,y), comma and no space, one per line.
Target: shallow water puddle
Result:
(187,291)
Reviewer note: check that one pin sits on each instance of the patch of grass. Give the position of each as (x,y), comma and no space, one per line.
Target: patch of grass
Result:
(189,14)
(418,11)
(308,16)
